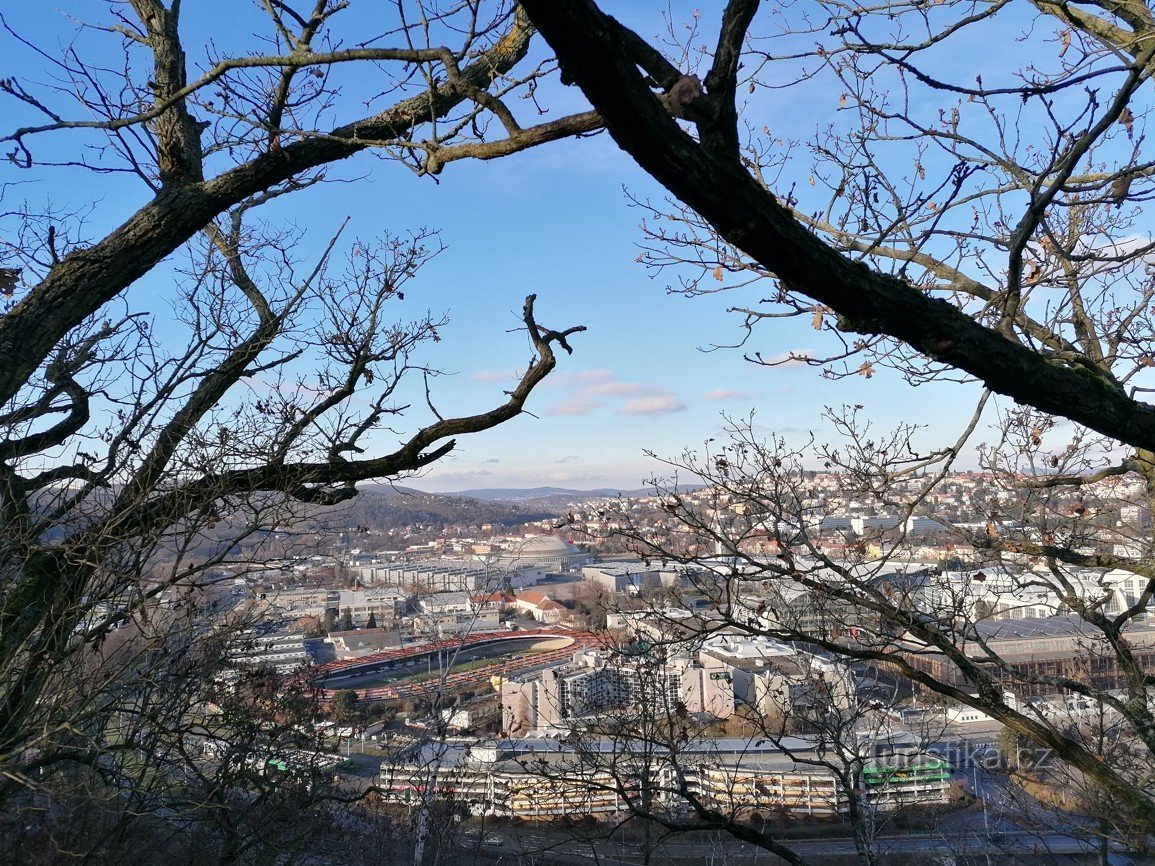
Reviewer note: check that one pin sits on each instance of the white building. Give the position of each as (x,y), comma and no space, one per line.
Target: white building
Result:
(541,552)
(596,682)
(284,652)
(613,577)
(540,606)
(539,779)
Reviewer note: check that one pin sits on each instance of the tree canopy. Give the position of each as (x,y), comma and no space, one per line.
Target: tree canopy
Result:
(983,226)
(140,451)
(987,227)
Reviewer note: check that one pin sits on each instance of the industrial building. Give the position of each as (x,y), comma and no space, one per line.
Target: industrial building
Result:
(543,779)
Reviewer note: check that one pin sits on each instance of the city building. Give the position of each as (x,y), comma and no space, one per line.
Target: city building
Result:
(363,642)
(597,682)
(544,779)
(421,577)
(1032,650)
(614,577)
(284,652)
(540,606)
(541,552)
(454,622)
(779,679)
(383,604)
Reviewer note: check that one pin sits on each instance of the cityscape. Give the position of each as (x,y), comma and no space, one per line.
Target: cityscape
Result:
(577,433)
(496,670)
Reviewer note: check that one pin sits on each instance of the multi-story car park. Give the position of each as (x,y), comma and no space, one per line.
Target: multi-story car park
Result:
(543,779)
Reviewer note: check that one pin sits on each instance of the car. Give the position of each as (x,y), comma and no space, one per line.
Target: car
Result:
(472,833)
(493,841)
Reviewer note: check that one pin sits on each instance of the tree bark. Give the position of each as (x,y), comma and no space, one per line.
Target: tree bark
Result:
(599,55)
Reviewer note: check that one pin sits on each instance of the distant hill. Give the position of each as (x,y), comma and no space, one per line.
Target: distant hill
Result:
(384,507)
(546,497)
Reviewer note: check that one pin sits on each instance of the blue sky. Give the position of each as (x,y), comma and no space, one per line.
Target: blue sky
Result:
(556,222)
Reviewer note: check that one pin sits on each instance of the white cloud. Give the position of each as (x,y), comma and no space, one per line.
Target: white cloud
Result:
(728,394)
(591,390)
(616,388)
(573,406)
(494,375)
(654,405)
(578,378)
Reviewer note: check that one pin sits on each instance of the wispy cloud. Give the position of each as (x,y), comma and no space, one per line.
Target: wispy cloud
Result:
(658,404)
(591,390)
(493,375)
(578,378)
(573,406)
(723,394)
(617,388)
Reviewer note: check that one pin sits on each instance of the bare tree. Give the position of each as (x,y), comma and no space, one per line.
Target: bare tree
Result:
(873,263)
(142,459)
(952,227)
(985,229)
(767,568)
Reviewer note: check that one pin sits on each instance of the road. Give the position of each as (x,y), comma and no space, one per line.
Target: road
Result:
(421,669)
(966,833)
(563,848)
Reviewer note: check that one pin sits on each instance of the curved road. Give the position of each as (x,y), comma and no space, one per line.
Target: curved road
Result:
(431,665)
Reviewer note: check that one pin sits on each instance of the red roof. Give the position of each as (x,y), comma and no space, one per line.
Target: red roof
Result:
(539,600)
(491,597)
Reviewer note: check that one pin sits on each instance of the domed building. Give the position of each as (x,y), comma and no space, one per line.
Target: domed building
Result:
(541,551)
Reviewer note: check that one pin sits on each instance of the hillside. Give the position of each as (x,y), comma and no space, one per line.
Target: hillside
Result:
(547,497)
(383,508)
